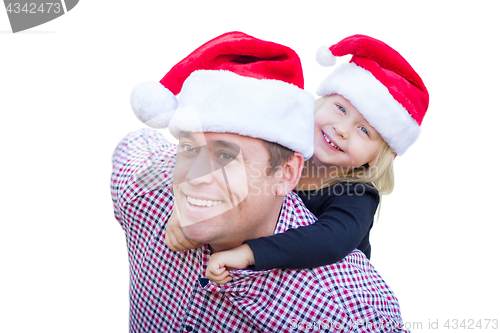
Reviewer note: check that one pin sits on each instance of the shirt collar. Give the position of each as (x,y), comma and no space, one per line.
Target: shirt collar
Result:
(240,278)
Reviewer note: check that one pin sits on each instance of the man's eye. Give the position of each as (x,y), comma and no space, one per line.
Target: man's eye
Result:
(226,156)
(341,108)
(188,148)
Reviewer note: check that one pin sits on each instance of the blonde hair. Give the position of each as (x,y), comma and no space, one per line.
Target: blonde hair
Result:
(380,174)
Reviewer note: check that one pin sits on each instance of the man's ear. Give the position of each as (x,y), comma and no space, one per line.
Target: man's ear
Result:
(290,175)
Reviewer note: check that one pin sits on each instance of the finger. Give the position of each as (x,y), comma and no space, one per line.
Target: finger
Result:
(192,245)
(226,280)
(171,242)
(173,220)
(223,280)
(214,272)
(220,278)
(195,244)
(221,272)
(182,242)
(167,240)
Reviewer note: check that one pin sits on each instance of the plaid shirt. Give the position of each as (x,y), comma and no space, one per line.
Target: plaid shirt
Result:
(169,292)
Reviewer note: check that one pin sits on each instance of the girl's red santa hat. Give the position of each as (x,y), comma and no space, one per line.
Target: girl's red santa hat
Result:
(234,83)
(381,85)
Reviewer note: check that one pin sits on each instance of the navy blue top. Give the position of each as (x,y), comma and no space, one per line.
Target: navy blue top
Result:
(345,214)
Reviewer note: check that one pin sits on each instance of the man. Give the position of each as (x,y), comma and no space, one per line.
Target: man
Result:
(233,118)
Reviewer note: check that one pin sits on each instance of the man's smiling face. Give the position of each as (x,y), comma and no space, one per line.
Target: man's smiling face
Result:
(222,192)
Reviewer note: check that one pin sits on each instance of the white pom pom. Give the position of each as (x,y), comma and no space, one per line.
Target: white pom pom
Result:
(324,57)
(153,104)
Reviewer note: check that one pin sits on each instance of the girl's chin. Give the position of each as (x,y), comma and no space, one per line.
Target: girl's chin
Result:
(322,158)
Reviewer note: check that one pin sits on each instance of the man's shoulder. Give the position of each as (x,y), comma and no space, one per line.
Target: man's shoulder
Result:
(353,281)
(294,214)
(145,138)
(142,161)
(354,272)
(144,146)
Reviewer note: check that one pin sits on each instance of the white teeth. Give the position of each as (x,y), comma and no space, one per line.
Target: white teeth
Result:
(204,203)
(330,142)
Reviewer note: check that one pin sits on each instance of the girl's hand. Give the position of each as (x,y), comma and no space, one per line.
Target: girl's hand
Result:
(220,263)
(175,238)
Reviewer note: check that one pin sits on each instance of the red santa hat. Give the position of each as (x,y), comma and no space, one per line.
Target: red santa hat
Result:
(381,85)
(234,83)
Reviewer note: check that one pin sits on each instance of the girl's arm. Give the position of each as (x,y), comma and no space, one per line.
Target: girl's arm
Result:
(344,222)
(220,263)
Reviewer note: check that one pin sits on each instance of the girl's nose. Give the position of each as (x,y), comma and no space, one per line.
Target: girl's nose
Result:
(341,131)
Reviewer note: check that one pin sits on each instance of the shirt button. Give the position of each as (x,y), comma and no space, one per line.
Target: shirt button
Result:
(189,328)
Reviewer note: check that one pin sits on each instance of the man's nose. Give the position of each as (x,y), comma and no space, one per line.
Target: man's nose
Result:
(195,169)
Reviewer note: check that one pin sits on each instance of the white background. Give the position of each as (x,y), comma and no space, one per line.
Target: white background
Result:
(64,102)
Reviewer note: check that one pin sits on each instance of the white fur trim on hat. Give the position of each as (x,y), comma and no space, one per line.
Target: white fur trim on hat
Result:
(374,101)
(153,104)
(222,101)
(324,57)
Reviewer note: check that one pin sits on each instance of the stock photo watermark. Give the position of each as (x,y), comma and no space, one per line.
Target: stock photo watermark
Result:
(212,176)
(431,324)
(25,15)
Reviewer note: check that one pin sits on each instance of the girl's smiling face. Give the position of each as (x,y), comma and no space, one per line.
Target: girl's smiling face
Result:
(342,136)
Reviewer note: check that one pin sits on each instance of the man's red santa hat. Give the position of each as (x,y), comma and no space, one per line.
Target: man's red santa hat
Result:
(234,83)
(381,85)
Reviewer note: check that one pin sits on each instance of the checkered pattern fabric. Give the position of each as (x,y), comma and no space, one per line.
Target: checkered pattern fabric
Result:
(168,290)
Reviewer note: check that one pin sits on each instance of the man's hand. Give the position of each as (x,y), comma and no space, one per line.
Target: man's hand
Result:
(220,263)
(175,238)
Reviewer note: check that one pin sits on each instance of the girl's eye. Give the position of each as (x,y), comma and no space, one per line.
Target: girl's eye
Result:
(341,108)
(365,130)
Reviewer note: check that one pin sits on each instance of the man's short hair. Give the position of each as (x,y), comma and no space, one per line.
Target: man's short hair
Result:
(279,156)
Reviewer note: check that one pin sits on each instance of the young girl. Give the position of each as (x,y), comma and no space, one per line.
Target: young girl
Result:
(371,111)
